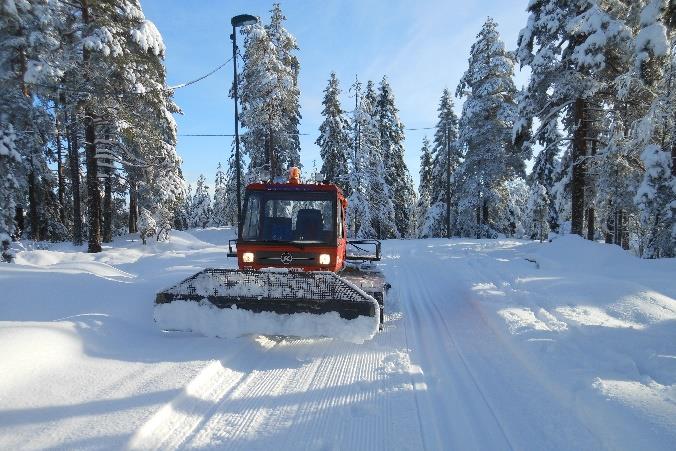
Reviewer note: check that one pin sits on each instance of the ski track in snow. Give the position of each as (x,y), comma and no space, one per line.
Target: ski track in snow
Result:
(461,364)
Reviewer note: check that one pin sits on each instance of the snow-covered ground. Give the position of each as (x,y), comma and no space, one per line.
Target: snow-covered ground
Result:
(489,344)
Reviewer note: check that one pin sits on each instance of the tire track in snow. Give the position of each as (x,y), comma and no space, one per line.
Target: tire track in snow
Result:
(331,394)
(332,382)
(233,425)
(173,423)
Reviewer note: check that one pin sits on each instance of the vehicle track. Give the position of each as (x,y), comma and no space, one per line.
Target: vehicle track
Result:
(332,394)
(174,422)
(467,417)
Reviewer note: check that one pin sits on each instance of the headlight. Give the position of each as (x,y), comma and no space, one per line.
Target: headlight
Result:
(248,257)
(324,259)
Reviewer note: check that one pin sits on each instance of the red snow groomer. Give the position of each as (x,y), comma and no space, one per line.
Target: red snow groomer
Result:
(298,273)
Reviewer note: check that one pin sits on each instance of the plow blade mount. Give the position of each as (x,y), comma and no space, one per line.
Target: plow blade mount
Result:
(230,303)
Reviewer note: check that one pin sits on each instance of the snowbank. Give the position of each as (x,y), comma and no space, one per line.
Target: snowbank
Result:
(599,324)
(203,317)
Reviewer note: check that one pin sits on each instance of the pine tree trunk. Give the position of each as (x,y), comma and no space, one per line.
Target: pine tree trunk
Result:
(609,227)
(591,231)
(93,193)
(590,224)
(484,213)
(621,235)
(33,207)
(108,210)
(45,193)
(578,179)
(59,169)
(673,152)
(133,206)
(624,237)
(74,163)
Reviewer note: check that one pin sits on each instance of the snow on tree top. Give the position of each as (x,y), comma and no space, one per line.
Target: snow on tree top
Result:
(149,38)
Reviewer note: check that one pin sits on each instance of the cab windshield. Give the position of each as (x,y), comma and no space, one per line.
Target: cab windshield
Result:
(290,216)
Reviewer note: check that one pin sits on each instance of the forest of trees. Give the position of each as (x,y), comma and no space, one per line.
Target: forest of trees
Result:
(88,141)
(597,118)
(87,135)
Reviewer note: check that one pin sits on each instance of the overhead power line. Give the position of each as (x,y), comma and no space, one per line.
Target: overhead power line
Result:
(232,134)
(130,93)
(192,82)
(301,134)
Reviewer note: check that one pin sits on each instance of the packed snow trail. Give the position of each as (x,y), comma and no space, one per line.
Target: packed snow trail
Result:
(478,396)
(488,344)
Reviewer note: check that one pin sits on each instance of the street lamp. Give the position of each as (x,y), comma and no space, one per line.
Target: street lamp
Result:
(238,21)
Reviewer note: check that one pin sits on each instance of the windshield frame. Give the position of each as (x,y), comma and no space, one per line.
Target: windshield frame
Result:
(291,195)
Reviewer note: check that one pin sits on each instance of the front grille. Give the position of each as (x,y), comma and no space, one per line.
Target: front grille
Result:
(275,257)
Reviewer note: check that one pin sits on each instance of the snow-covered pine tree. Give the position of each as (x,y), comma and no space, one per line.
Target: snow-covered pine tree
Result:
(380,199)
(200,208)
(397,176)
(656,200)
(567,45)
(27,45)
(10,161)
(445,160)
(92,67)
(536,221)
(627,93)
(184,210)
(269,96)
(231,188)
(360,220)
(485,132)
(655,133)
(219,216)
(542,174)
(424,188)
(146,224)
(286,46)
(510,213)
(334,140)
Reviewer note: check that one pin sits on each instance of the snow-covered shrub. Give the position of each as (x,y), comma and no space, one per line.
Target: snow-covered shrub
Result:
(7,253)
(537,210)
(656,202)
(164,221)
(56,231)
(201,205)
(146,224)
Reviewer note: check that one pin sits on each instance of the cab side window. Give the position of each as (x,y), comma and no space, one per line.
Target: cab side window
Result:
(341,221)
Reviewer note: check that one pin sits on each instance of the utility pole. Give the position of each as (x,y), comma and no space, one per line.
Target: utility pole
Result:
(238,176)
(238,21)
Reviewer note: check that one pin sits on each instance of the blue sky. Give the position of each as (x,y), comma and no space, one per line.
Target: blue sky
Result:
(422,47)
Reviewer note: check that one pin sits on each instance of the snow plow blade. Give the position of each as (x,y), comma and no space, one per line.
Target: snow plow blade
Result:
(230,303)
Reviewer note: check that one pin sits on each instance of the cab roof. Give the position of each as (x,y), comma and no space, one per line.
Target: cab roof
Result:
(312,187)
